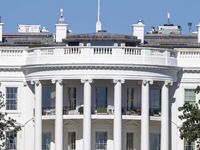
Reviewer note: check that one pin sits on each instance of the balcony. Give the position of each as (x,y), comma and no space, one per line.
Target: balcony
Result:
(102,55)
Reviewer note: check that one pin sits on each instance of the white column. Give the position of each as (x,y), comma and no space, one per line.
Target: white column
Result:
(165,117)
(87,114)
(118,114)
(59,116)
(38,115)
(145,116)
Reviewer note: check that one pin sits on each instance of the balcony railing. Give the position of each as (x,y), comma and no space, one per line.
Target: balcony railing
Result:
(103,54)
(131,110)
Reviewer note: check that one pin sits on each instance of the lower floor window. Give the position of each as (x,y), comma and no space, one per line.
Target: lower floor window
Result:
(11,140)
(155,141)
(71,140)
(189,146)
(101,140)
(46,141)
(129,141)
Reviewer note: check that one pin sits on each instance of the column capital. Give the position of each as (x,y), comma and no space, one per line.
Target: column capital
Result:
(37,82)
(86,80)
(168,83)
(60,81)
(118,80)
(147,81)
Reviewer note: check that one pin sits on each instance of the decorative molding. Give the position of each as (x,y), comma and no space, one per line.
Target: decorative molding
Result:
(119,81)
(86,80)
(166,83)
(25,83)
(147,81)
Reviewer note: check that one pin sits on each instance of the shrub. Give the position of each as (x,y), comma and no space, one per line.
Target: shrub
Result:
(101,110)
(34,45)
(167,46)
(80,110)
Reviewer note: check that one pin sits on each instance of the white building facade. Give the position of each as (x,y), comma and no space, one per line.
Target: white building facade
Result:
(85,97)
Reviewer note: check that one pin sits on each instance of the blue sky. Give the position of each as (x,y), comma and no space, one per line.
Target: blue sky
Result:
(117,16)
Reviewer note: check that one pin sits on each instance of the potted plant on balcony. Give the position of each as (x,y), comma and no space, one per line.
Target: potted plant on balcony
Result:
(156,113)
(80,110)
(102,110)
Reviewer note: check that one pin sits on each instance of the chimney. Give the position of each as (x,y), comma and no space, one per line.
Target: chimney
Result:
(138,30)
(61,28)
(198,31)
(1,28)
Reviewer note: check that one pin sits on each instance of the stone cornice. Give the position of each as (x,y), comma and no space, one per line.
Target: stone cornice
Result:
(101,66)
(10,68)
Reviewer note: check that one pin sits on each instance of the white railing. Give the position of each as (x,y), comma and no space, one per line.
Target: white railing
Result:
(102,50)
(188,58)
(11,53)
(132,51)
(105,55)
(157,52)
(72,50)
(47,51)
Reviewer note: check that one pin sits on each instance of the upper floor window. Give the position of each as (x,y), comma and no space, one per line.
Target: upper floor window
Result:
(101,97)
(11,140)
(155,101)
(130,98)
(11,98)
(72,98)
(47,97)
(190,96)
(101,140)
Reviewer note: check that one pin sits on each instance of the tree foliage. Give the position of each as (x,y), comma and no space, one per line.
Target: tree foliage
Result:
(190,129)
(6,123)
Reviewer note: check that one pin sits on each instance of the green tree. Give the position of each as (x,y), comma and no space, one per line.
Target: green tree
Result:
(190,129)
(6,124)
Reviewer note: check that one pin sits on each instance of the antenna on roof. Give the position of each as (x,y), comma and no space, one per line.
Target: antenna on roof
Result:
(168,16)
(98,24)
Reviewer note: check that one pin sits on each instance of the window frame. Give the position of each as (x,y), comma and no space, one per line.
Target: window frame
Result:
(189,101)
(73,148)
(106,99)
(75,99)
(127,140)
(154,110)
(16,98)
(100,144)
(9,147)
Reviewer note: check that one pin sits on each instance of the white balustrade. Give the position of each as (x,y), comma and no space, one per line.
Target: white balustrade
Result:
(72,50)
(157,52)
(102,50)
(132,51)
(89,54)
(11,53)
(47,51)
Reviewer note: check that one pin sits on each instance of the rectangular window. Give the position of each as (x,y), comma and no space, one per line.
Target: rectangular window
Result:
(155,101)
(72,98)
(130,98)
(190,96)
(11,140)
(47,97)
(71,140)
(188,146)
(101,97)
(129,141)
(46,141)
(11,98)
(101,141)
(155,141)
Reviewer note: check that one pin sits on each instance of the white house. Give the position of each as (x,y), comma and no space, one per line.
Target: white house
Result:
(99,91)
